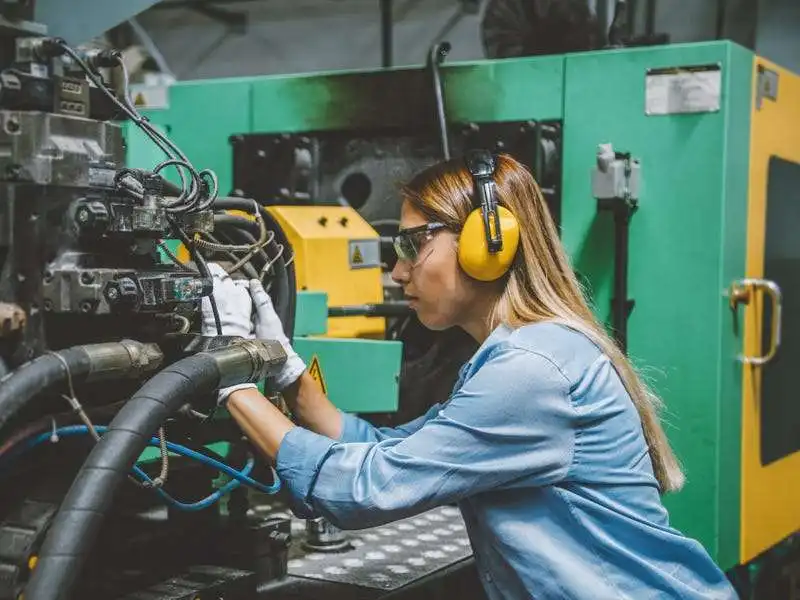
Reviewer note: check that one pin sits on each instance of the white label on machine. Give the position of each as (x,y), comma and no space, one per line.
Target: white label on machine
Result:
(364,254)
(145,96)
(687,89)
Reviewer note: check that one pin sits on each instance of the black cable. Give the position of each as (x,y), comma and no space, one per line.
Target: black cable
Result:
(38,376)
(234,235)
(90,498)
(163,142)
(202,267)
(170,255)
(107,360)
(249,267)
(285,294)
(239,222)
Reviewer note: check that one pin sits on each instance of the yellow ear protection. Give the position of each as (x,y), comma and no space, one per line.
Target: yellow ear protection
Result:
(488,242)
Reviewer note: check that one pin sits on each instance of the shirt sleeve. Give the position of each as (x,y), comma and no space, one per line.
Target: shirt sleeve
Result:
(512,419)
(355,429)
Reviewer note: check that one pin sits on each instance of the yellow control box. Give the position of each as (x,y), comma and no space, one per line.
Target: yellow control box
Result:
(337,252)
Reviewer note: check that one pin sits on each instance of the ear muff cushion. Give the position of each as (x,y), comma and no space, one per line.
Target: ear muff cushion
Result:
(473,252)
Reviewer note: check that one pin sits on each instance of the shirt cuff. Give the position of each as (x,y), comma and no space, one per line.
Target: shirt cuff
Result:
(299,459)
(354,429)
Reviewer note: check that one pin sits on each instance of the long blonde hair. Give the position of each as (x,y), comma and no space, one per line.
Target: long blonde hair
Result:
(541,285)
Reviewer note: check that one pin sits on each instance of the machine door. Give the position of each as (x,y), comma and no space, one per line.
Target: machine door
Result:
(770,293)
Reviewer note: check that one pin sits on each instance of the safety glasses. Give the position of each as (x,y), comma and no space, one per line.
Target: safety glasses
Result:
(409,242)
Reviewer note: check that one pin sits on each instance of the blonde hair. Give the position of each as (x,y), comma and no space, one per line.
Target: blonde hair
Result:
(541,285)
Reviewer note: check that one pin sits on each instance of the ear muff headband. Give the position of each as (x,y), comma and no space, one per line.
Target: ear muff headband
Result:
(489,239)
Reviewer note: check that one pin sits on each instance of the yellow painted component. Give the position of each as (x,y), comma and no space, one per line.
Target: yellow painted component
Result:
(183,254)
(771,493)
(33,560)
(336,252)
(315,371)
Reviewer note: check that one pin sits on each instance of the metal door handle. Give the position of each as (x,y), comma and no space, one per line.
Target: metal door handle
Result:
(741,292)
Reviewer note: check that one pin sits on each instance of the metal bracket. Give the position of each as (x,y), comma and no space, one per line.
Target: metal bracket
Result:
(767,85)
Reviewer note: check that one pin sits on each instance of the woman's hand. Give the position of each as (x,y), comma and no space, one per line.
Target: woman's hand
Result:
(233,303)
(268,327)
(235,307)
(302,394)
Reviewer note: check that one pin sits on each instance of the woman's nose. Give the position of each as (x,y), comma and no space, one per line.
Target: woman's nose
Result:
(401,272)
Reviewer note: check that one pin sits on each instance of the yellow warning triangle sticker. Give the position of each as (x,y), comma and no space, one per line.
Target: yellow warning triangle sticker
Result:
(357,257)
(139,100)
(316,374)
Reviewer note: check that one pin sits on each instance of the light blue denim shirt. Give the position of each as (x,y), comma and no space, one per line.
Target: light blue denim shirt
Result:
(542,449)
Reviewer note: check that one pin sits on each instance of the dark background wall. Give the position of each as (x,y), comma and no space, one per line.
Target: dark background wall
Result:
(293,36)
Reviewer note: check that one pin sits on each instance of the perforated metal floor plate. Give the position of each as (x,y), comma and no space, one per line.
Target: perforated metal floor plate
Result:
(386,557)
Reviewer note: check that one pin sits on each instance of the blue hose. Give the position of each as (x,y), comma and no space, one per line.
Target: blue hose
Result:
(239,477)
(200,504)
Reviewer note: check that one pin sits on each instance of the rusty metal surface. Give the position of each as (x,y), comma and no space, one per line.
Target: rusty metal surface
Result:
(12,318)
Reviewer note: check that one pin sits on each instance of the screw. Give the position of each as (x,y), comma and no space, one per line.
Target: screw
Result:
(112,293)
(48,305)
(87,277)
(83,215)
(86,306)
(48,276)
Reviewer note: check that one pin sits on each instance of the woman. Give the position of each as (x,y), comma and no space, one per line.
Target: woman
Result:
(550,443)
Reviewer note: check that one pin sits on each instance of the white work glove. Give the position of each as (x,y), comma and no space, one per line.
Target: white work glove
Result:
(233,303)
(268,327)
(235,308)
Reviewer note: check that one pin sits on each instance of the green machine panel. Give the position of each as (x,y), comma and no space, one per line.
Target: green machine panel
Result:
(311,316)
(475,91)
(359,376)
(686,244)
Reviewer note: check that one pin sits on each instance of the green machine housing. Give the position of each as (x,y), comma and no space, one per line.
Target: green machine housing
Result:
(712,251)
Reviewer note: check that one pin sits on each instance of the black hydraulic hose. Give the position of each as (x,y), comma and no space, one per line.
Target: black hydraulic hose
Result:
(223,219)
(202,267)
(89,499)
(81,363)
(37,376)
(280,292)
(170,188)
(243,231)
(284,293)
(250,271)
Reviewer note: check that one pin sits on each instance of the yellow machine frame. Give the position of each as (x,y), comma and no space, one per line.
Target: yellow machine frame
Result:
(770,493)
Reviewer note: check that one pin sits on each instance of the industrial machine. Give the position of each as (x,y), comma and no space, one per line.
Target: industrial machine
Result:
(101,348)
(671,172)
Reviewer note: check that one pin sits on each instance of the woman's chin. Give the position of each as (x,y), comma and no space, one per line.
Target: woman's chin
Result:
(432,321)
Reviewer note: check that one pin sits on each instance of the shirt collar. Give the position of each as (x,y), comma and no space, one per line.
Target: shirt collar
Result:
(500,333)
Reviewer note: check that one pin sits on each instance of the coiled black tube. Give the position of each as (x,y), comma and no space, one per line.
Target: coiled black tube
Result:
(37,376)
(106,360)
(89,499)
